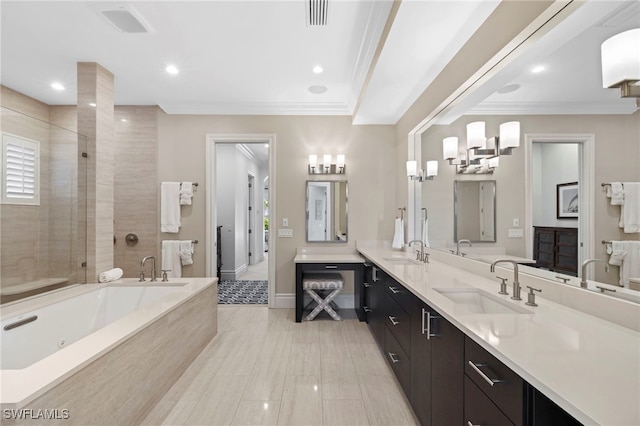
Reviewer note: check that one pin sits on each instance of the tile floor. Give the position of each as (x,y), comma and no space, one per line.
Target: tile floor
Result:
(264,369)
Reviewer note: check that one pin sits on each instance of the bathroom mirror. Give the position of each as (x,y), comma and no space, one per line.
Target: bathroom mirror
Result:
(474,210)
(546,116)
(326,211)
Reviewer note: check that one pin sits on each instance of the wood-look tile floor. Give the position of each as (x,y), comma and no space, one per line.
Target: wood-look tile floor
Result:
(264,369)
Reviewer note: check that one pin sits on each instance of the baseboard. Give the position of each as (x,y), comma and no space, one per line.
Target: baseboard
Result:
(233,274)
(288,301)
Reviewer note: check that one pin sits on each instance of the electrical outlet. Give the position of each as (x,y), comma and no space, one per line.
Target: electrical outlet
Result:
(285,221)
(516,222)
(285,233)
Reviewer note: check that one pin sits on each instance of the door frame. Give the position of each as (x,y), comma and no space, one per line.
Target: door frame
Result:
(586,219)
(211,220)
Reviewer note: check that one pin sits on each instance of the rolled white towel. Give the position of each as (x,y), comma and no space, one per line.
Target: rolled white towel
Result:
(186,252)
(615,191)
(110,275)
(186,192)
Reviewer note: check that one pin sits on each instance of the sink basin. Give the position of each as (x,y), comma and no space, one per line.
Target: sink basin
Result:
(474,301)
(402,261)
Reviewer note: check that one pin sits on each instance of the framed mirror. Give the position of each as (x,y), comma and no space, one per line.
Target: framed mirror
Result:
(326,211)
(474,210)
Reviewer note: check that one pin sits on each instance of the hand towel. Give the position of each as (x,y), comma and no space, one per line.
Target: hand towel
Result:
(425,233)
(398,235)
(616,250)
(186,192)
(110,275)
(171,258)
(615,192)
(631,263)
(170,207)
(186,251)
(631,207)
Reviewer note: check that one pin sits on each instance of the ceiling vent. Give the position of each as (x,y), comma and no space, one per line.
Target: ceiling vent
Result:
(317,12)
(127,20)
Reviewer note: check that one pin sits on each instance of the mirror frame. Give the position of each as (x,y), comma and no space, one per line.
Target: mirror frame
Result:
(346,212)
(456,207)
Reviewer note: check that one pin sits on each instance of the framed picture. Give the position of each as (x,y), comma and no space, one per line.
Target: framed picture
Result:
(567,200)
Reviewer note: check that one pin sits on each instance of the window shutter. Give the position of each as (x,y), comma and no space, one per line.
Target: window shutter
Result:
(20,161)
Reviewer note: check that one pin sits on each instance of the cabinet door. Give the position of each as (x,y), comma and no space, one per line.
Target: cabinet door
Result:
(420,363)
(447,371)
(375,304)
(566,260)
(544,248)
(479,410)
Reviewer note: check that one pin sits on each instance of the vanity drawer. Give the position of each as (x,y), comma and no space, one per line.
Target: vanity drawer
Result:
(504,387)
(478,408)
(398,293)
(398,321)
(399,361)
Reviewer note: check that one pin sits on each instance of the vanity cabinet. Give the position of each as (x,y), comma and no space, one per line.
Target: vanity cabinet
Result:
(556,249)
(437,350)
(374,292)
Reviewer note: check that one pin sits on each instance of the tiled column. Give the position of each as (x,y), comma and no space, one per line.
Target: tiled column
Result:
(95,120)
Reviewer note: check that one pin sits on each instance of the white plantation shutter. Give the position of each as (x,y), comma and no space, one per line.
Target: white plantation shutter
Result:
(20,170)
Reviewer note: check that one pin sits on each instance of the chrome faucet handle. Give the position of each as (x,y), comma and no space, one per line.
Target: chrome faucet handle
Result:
(531,297)
(463,254)
(503,285)
(426,258)
(141,277)
(164,275)
(564,280)
(452,251)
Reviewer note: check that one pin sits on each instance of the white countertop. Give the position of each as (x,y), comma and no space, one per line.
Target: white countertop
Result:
(343,254)
(588,366)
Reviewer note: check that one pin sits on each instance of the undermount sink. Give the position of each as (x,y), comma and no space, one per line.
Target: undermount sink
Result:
(402,261)
(475,301)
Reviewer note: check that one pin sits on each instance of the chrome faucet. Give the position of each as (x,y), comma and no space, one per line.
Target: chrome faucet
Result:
(516,283)
(153,268)
(421,255)
(583,280)
(458,245)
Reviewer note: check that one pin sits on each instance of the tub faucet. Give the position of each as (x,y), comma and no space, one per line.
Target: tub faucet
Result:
(583,280)
(421,256)
(153,268)
(458,245)
(516,284)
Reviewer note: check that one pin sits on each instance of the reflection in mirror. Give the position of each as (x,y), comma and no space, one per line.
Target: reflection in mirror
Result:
(326,211)
(474,210)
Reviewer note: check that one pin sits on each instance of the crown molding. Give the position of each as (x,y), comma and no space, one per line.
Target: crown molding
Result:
(553,108)
(260,108)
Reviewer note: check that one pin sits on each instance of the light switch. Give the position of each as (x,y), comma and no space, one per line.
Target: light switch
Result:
(285,233)
(285,221)
(516,222)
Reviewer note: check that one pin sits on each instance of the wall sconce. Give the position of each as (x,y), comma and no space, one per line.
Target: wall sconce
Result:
(421,175)
(621,63)
(327,166)
(481,152)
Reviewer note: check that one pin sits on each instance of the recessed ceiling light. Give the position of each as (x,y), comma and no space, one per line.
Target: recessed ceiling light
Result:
(317,89)
(538,69)
(172,69)
(317,69)
(57,86)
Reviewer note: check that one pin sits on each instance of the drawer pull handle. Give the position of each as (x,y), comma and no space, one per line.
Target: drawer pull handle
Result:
(476,366)
(374,274)
(393,358)
(471,424)
(393,320)
(330,266)
(394,290)
(367,285)
(367,309)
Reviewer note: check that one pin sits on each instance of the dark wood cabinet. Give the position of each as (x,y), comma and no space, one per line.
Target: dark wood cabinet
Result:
(556,249)
(373,297)
(437,351)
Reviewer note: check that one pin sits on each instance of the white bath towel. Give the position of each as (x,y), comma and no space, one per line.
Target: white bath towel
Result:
(615,192)
(425,233)
(631,263)
(170,207)
(110,275)
(398,235)
(186,252)
(171,258)
(616,252)
(186,192)
(630,216)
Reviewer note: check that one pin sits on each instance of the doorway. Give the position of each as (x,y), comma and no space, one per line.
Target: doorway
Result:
(234,164)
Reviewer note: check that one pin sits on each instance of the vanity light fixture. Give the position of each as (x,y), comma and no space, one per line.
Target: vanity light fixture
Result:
(481,155)
(421,175)
(621,63)
(327,166)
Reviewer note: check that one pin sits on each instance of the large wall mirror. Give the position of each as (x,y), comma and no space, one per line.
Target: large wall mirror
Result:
(474,210)
(327,211)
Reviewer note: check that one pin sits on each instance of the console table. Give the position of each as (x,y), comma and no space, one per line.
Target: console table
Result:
(329,259)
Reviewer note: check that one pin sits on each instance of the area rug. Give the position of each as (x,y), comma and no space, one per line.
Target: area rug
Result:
(238,292)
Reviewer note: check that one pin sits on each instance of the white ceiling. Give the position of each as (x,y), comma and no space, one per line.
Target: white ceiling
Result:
(256,57)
